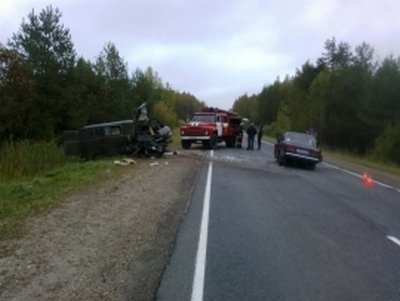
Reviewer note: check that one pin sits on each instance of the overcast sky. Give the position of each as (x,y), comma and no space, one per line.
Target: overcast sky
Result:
(217,49)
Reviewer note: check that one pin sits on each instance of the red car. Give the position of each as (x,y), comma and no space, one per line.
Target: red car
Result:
(295,147)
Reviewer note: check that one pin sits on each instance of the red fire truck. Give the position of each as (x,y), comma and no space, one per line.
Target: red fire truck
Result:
(211,126)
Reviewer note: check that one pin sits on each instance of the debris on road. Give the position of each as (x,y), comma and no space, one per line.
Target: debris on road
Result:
(172,153)
(125,162)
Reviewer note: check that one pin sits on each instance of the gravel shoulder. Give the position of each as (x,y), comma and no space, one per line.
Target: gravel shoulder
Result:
(110,242)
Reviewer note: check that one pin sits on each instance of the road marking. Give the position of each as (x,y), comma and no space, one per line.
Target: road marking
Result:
(360,176)
(199,273)
(394,239)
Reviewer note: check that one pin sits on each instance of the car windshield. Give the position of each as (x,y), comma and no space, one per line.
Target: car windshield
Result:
(204,118)
(301,138)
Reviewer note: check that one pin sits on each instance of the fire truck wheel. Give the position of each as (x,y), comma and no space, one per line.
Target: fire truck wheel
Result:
(213,141)
(186,144)
(230,142)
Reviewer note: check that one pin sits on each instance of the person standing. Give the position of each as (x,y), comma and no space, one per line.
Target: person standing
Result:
(251,132)
(259,136)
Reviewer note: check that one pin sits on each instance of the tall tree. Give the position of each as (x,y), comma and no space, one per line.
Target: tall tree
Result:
(183,104)
(269,101)
(115,98)
(17,92)
(383,96)
(318,97)
(147,87)
(301,110)
(247,106)
(337,55)
(83,95)
(349,75)
(110,65)
(46,46)
(45,43)
(364,58)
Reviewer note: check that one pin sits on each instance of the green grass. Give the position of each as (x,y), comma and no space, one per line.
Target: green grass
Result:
(365,161)
(24,158)
(176,139)
(28,196)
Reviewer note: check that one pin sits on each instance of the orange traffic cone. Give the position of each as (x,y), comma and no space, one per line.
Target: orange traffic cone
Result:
(367,180)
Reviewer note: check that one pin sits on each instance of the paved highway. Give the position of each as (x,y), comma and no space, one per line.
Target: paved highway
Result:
(256,231)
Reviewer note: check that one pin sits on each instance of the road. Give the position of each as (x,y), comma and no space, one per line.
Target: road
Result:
(284,233)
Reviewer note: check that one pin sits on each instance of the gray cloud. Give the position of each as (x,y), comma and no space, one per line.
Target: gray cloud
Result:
(218,50)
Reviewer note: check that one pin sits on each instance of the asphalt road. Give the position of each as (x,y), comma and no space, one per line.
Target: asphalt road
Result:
(284,233)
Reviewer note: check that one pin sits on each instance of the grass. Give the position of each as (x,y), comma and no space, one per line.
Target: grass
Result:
(29,196)
(34,177)
(365,161)
(176,139)
(32,185)
(24,158)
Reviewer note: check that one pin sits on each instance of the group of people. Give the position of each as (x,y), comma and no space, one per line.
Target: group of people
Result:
(251,134)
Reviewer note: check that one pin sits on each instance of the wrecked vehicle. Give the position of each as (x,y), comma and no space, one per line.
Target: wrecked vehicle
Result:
(139,136)
(109,138)
(149,137)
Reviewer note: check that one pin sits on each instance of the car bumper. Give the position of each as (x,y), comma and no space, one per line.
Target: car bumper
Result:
(302,157)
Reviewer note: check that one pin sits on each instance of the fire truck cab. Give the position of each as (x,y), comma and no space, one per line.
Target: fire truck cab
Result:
(211,126)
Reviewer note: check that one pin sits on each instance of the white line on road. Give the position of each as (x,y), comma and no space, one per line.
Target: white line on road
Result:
(199,273)
(394,239)
(360,176)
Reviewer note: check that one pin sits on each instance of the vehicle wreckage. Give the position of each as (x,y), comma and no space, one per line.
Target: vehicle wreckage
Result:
(140,136)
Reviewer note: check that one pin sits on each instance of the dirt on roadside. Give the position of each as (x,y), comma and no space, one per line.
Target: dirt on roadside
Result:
(110,242)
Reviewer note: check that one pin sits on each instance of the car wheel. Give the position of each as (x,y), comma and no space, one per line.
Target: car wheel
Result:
(311,166)
(281,159)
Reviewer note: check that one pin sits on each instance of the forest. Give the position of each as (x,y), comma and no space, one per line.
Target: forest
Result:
(351,100)
(348,97)
(46,88)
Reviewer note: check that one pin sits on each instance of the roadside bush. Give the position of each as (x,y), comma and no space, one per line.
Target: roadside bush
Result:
(387,146)
(165,115)
(272,130)
(24,158)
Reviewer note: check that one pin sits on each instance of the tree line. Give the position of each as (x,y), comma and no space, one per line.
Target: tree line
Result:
(46,88)
(351,100)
